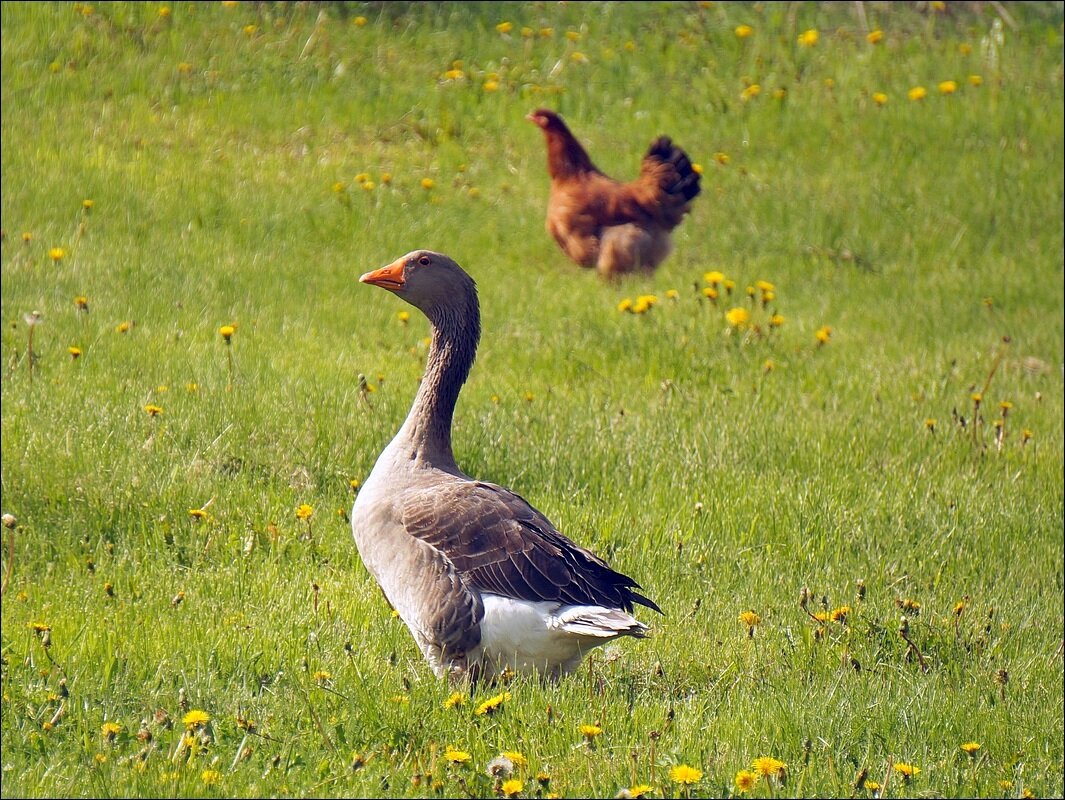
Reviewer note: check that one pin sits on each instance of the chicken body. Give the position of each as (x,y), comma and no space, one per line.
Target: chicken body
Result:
(612,226)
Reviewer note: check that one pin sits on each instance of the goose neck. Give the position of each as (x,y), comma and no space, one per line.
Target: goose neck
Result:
(452,350)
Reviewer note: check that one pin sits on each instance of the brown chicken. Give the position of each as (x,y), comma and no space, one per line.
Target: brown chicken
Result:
(612,226)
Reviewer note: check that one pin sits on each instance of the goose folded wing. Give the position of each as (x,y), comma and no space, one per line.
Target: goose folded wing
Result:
(499,543)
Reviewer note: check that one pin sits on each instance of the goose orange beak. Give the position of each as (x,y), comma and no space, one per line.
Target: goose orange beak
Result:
(390,277)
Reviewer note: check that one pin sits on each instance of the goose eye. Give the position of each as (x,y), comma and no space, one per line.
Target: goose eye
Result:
(424,261)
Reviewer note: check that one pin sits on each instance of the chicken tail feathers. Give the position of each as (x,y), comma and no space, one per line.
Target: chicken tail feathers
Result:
(675,179)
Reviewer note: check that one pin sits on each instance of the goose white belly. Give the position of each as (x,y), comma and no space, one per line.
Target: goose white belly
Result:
(545,636)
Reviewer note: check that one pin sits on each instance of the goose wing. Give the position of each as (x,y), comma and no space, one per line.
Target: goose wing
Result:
(499,543)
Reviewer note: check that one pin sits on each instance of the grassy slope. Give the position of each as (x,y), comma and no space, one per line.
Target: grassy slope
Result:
(214,202)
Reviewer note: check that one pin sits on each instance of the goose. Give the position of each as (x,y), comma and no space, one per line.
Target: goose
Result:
(485,583)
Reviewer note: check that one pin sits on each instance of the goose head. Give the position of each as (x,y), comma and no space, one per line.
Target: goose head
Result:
(428,281)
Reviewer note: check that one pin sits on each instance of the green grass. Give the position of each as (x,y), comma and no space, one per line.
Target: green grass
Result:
(224,191)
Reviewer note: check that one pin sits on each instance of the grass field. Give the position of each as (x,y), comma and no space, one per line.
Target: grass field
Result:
(171,627)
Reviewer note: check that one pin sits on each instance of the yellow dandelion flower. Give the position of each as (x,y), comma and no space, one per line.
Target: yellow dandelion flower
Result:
(1005,785)
(872,786)
(874,37)
(197,513)
(738,317)
(840,614)
(547,33)
(917,93)
(938,5)
(765,286)
(970,748)
(714,277)
(907,771)
(369,186)
(750,619)
(573,35)
(697,168)
(428,183)
(403,317)
(123,327)
(823,334)
(493,704)
(57,254)
(211,777)
(745,781)
(722,158)
(321,676)
(809,37)
(578,57)
(769,365)
(909,606)
(527,32)
(751,92)
(641,306)
(153,410)
(780,94)
(672,294)
(948,87)
(87,204)
(251,30)
(109,730)
(776,320)
(769,767)
(976,80)
(339,187)
(640,790)
(491,86)
(743,31)
(880,98)
(710,292)
(227,331)
(512,787)
(195,719)
(362,177)
(454,700)
(456,756)
(685,775)
(27,237)
(164,11)
(75,352)
(977,398)
(99,758)
(590,731)
(304,511)
(505,27)
(516,758)
(625,304)
(360,21)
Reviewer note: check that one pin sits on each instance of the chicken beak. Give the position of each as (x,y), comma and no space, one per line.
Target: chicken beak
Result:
(390,277)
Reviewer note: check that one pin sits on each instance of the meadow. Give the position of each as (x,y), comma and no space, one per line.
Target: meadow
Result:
(846,499)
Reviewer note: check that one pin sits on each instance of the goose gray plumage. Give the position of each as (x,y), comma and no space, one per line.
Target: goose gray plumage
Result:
(482,579)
